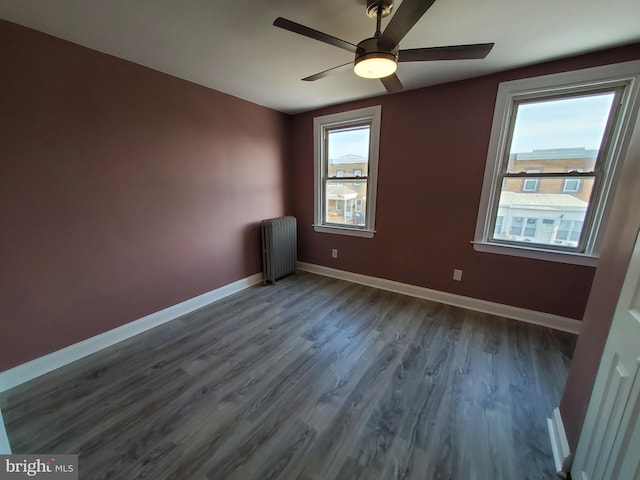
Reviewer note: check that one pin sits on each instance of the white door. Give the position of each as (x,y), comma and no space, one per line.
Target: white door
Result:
(546,230)
(609,444)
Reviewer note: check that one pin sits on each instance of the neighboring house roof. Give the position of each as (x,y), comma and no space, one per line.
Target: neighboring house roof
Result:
(340,192)
(555,154)
(557,200)
(348,158)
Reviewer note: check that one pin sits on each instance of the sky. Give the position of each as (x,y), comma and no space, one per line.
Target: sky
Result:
(565,123)
(344,142)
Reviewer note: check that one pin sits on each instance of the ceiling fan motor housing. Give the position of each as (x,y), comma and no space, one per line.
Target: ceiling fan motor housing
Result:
(370,49)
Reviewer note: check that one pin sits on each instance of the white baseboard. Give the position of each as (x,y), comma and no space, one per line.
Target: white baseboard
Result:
(5,448)
(559,444)
(530,316)
(35,368)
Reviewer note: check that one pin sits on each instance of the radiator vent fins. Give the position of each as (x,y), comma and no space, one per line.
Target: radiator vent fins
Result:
(279,248)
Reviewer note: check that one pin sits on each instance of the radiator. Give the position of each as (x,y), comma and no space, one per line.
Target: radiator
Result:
(279,248)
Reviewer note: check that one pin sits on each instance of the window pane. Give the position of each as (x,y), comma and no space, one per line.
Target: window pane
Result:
(563,230)
(346,203)
(575,231)
(530,184)
(530,229)
(559,134)
(550,216)
(516,226)
(572,185)
(348,151)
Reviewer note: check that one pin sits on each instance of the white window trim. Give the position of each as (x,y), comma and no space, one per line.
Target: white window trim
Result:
(592,77)
(372,114)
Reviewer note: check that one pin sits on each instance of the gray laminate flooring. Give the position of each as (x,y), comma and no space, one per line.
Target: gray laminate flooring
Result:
(312,378)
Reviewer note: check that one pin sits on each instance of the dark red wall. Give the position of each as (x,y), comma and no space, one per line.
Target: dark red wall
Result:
(122,191)
(619,241)
(433,152)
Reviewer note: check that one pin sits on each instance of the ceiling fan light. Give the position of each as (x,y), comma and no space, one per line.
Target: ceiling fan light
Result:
(375,65)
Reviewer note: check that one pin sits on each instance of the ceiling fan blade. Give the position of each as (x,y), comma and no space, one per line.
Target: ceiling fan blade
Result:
(330,71)
(315,34)
(406,16)
(392,83)
(456,52)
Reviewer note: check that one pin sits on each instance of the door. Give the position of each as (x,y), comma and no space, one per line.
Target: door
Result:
(609,444)
(546,230)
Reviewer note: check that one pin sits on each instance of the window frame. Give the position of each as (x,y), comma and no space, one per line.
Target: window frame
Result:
(625,76)
(321,125)
(602,168)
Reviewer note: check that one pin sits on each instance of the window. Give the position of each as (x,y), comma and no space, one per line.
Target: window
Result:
(357,172)
(554,147)
(569,231)
(530,184)
(572,185)
(523,227)
(346,143)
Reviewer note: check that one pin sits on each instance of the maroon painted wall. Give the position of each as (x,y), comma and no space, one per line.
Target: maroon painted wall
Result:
(433,151)
(624,225)
(122,191)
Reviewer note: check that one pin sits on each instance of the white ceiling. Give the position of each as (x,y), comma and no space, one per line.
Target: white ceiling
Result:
(233,47)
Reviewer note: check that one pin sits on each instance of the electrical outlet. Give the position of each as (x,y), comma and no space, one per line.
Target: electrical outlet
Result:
(457,275)
(334,253)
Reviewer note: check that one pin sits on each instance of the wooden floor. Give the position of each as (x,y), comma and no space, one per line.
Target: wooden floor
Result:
(313,378)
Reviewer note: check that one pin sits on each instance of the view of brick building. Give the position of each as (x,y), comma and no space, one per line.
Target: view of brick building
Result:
(546,210)
(347,200)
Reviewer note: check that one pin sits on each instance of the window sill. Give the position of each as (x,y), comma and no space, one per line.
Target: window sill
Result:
(353,232)
(537,253)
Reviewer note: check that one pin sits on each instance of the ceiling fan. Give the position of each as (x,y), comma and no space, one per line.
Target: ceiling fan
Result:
(378,56)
